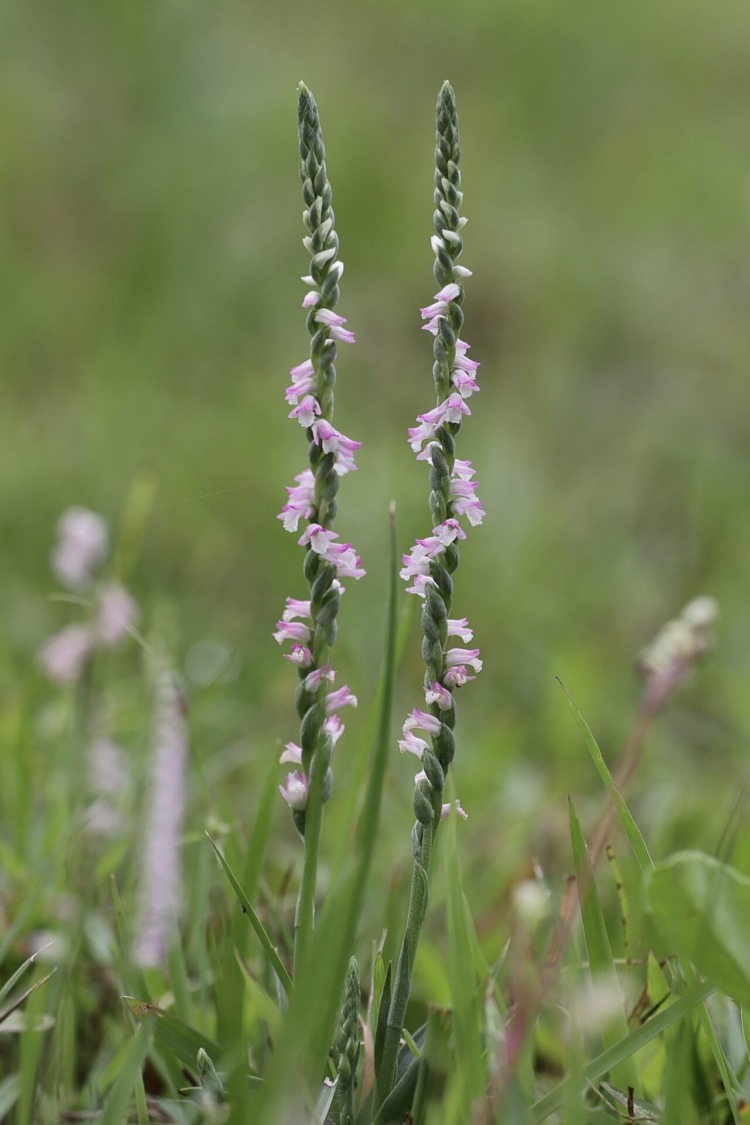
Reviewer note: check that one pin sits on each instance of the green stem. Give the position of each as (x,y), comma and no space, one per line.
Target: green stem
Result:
(304,917)
(418,895)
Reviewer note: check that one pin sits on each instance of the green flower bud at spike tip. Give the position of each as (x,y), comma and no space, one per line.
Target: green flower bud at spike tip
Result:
(346,1044)
(208,1077)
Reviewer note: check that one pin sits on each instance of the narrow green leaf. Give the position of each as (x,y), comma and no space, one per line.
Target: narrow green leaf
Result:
(10,1090)
(601,961)
(115,1109)
(255,922)
(466,997)
(175,1037)
(633,832)
(13,980)
(382,1016)
(623,1050)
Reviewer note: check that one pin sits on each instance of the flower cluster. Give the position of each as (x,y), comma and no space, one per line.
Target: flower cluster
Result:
(429,566)
(81,547)
(310,624)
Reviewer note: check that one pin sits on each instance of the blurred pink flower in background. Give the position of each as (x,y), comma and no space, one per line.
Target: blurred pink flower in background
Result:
(83,544)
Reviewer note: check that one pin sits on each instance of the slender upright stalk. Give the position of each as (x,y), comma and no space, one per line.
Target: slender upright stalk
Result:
(310,624)
(432,562)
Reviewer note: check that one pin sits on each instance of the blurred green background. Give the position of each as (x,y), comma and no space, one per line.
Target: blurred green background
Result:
(151,228)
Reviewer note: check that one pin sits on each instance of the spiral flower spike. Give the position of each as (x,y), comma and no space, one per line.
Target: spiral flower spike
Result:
(310,623)
(430,566)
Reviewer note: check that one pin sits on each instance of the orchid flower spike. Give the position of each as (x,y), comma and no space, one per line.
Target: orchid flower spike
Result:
(309,623)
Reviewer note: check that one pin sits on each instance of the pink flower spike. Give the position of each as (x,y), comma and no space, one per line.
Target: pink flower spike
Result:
(436,693)
(341,698)
(459,627)
(300,655)
(291,631)
(316,678)
(292,755)
(63,656)
(295,790)
(412,744)
(470,656)
(306,411)
(295,607)
(82,546)
(421,720)
(117,614)
(329,318)
(310,299)
(453,806)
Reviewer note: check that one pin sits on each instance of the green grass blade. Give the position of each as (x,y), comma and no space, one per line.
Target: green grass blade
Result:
(176,1038)
(623,1050)
(633,832)
(465,988)
(115,1109)
(255,922)
(601,961)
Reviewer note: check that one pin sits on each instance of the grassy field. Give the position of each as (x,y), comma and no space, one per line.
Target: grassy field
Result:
(151,229)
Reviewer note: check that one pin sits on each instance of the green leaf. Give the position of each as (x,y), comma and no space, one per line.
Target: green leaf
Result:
(398,1103)
(625,1049)
(115,1109)
(255,922)
(703,907)
(382,1016)
(633,832)
(10,1091)
(177,1038)
(466,996)
(601,961)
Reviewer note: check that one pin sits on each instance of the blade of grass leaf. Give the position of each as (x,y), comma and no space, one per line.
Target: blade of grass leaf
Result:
(632,830)
(464,985)
(115,1109)
(601,961)
(178,1039)
(623,1050)
(255,922)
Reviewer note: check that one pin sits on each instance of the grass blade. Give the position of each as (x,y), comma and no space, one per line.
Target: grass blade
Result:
(633,832)
(623,1050)
(256,923)
(601,961)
